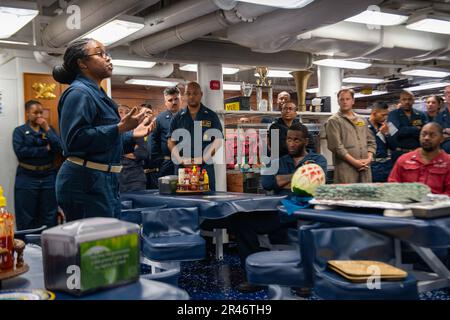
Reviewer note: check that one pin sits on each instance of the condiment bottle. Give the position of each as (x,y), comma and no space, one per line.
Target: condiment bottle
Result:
(6,235)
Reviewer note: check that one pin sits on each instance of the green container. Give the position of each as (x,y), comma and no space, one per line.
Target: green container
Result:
(92,254)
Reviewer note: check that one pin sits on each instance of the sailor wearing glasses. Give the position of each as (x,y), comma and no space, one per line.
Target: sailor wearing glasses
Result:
(92,133)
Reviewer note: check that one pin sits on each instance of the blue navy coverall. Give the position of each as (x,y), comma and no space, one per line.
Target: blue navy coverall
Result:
(443,118)
(132,176)
(88,121)
(208,120)
(160,153)
(407,136)
(34,189)
(382,163)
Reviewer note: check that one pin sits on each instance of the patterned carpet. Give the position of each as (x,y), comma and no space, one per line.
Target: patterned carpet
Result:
(217,280)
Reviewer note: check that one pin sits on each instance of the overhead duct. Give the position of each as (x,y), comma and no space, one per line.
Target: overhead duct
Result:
(278,31)
(92,15)
(397,42)
(196,28)
(230,53)
(174,15)
(43,57)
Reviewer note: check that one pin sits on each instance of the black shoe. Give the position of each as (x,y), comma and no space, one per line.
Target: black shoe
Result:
(246,287)
(301,292)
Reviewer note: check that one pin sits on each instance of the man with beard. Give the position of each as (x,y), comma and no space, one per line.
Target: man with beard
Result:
(428,165)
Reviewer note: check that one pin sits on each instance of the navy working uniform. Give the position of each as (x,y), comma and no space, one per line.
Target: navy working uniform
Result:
(132,176)
(382,163)
(160,153)
(247,227)
(280,125)
(443,118)
(405,130)
(88,121)
(208,119)
(286,166)
(34,189)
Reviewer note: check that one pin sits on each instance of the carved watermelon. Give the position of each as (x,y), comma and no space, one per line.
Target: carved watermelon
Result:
(306,180)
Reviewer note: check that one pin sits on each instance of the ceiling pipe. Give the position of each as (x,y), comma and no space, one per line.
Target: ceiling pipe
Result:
(196,28)
(174,15)
(92,15)
(233,54)
(278,31)
(386,37)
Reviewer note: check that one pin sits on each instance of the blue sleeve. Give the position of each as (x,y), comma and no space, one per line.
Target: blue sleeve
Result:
(391,143)
(173,126)
(77,125)
(322,162)
(128,142)
(24,151)
(54,140)
(269,181)
(141,151)
(216,123)
(155,141)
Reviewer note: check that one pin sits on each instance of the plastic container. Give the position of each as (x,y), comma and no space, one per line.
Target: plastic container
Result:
(90,254)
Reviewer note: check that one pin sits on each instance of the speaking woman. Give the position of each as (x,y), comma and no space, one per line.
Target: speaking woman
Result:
(92,133)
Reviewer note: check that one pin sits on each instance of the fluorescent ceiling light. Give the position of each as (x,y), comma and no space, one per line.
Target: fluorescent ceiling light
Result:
(286,4)
(312,90)
(133,63)
(117,29)
(231,87)
(278,74)
(378,17)
(15,16)
(374,93)
(14,42)
(430,22)
(362,79)
(194,68)
(339,63)
(426,72)
(154,83)
(427,86)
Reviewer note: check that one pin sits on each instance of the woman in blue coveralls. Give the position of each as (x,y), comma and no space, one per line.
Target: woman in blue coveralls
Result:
(36,144)
(92,133)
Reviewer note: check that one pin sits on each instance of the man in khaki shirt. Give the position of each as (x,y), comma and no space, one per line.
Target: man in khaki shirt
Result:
(351,142)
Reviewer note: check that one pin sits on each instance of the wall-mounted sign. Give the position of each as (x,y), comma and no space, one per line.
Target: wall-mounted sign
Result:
(44,90)
(214,85)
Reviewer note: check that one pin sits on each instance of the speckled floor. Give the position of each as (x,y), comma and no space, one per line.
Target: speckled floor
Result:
(217,280)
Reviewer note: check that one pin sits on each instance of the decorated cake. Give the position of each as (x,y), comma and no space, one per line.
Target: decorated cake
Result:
(385,192)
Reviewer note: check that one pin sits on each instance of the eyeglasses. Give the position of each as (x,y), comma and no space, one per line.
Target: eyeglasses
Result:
(105,55)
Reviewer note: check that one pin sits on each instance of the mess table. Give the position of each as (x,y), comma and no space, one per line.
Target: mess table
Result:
(143,289)
(214,206)
(422,235)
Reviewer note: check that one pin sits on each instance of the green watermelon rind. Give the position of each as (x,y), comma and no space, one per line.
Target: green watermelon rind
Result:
(301,193)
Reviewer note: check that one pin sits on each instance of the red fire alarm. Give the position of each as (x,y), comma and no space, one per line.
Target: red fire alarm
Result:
(214,85)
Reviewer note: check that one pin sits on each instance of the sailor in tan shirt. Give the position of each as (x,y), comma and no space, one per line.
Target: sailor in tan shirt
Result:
(351,142)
